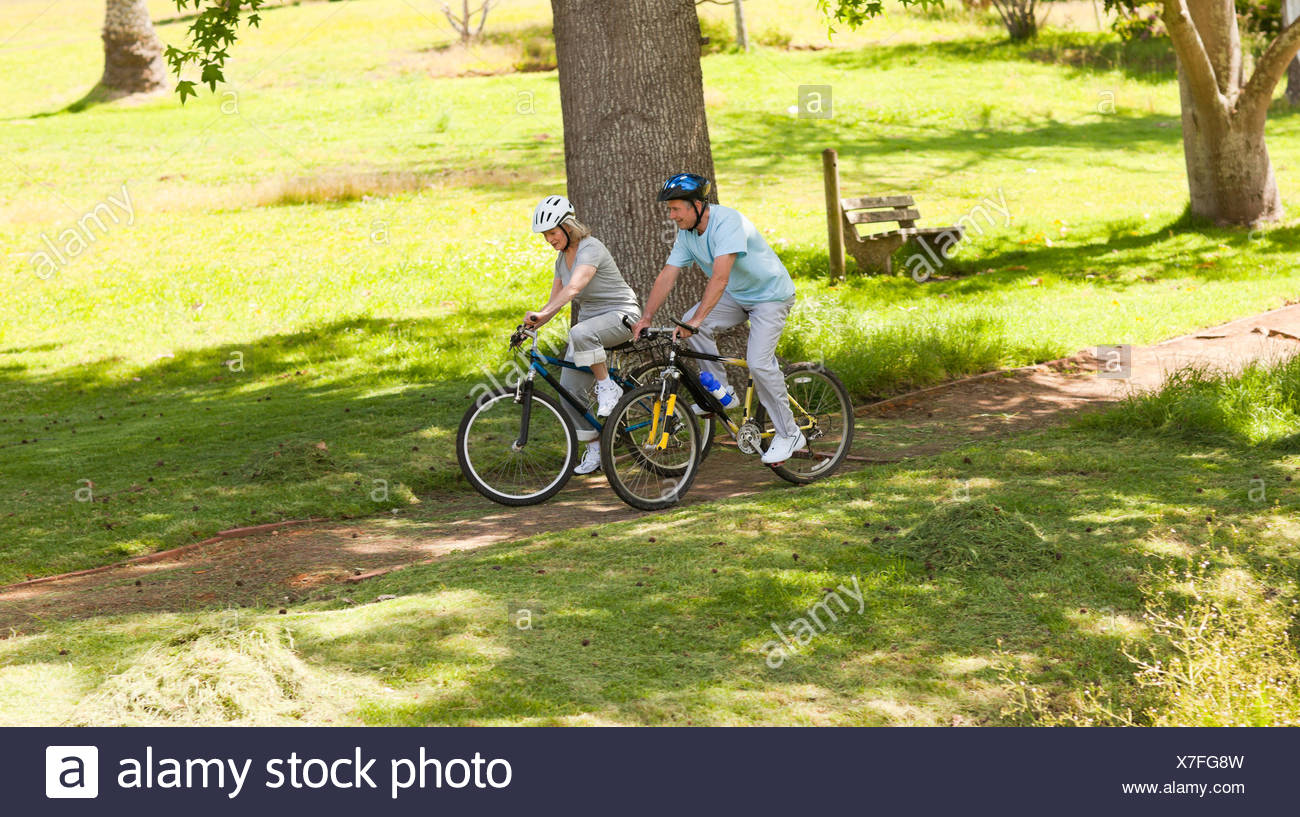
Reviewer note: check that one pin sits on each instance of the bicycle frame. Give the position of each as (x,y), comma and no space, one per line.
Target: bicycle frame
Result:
(704,398)
(537,365)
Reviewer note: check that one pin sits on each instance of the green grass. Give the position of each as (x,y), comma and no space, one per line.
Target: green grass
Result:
(334,255)
(1258,405)
(669,619)
(353,231)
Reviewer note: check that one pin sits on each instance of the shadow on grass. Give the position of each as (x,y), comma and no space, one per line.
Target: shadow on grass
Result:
(678,630)
(1130,242)
(638,633)
(751,135)
(1080,53)
(174,456)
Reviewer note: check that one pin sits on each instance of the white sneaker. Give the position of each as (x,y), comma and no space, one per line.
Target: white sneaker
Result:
(782,447)
(590,460)
(607,396)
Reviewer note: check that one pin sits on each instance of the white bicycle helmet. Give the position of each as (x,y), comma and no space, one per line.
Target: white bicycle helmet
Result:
(549,214)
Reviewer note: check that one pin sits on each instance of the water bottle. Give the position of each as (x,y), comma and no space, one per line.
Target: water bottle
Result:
(725,396)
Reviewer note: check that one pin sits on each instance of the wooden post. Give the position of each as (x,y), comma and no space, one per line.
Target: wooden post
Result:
(834,224)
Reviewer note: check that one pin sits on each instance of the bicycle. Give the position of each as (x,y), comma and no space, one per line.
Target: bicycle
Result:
(647,418)
(517,446)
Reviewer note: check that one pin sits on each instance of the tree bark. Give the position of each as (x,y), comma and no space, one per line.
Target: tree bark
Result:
(632,97)
(1230,177)
(1290,11)
(133,54)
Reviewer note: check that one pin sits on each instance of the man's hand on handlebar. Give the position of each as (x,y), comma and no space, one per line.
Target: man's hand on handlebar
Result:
(642,329)
(533,320)
(684,330)
(638,327)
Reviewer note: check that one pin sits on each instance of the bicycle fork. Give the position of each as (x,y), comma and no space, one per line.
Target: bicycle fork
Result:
(664,406)
(524,396)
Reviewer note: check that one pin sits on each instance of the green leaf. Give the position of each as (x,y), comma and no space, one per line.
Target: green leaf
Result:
(212,75)
(185,88)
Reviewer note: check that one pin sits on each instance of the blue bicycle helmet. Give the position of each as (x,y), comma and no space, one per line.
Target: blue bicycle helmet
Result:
(686,186)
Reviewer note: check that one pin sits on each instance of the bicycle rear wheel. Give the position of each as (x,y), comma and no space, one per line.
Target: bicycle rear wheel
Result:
(650,454)
(493,462)
(824,413)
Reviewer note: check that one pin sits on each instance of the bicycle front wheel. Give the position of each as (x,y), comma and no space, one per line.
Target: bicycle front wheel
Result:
(500,469)
(649,373)
(649,448)
(824,413)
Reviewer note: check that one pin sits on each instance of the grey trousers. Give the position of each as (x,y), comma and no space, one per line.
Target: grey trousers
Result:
(587,342)
(766,320)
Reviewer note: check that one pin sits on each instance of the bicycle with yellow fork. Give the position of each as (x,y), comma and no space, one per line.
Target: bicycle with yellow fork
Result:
(651,445)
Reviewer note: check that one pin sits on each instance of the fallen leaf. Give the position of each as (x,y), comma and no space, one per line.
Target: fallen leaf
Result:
(1273,333)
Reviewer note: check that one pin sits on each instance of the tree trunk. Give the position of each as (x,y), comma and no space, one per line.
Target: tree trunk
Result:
(1229,174)
(633,116)
(742,35)
(1290,11)
(1229,177)
(133,61)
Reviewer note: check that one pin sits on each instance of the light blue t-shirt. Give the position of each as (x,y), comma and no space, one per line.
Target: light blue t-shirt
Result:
(758,276)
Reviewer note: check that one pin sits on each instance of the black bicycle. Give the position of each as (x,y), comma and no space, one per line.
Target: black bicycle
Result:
(648,421)
(517,446)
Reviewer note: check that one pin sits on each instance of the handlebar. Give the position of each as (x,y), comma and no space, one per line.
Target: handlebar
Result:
(520,334)
(657,331)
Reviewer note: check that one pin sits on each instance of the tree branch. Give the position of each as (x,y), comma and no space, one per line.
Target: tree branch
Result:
(1209,102)
(482,21)
(456,26)
(1258,93)
(1006,21)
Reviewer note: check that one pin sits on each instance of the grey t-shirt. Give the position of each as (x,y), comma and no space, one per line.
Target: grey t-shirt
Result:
(606,291)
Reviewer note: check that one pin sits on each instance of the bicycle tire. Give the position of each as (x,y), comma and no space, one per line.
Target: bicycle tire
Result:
(826,463)
(476,448)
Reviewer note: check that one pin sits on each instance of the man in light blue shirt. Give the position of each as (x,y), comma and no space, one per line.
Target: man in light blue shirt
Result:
(746,282)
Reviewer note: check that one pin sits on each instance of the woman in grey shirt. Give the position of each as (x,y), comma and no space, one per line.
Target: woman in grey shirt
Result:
(586,275)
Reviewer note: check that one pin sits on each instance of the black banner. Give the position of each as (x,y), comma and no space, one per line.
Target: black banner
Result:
(644,771)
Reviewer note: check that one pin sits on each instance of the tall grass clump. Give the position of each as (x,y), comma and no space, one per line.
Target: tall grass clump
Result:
(215,677)
(877,358)
(1218,652)
(1259,405)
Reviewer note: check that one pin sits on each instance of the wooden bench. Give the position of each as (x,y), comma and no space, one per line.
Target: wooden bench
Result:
(874,251)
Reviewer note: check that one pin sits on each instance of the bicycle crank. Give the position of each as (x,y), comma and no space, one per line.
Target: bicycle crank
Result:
(749,439)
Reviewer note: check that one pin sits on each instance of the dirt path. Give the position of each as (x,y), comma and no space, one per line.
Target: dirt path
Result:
(284,565)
